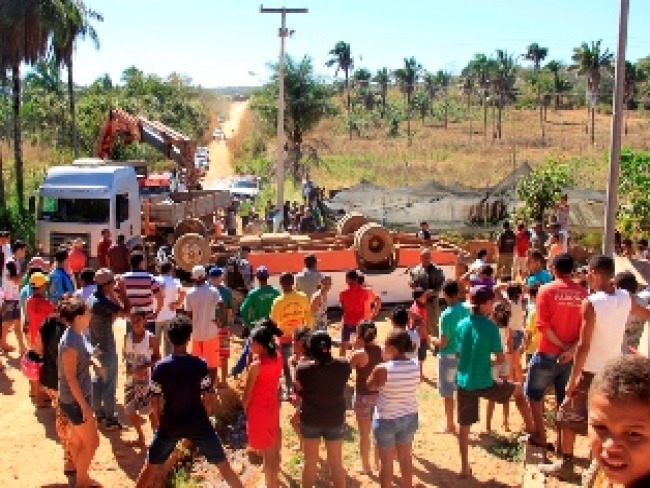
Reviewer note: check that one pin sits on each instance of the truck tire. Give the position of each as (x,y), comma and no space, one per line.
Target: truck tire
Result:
(190,226)
(190,250)
(350,223)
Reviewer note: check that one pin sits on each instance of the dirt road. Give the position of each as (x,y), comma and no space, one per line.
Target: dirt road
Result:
(221,167)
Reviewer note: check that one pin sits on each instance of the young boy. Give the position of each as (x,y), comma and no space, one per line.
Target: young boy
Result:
(400,320)
(185,385)
(604,315)
(478,339)
(418,317)
(619,421)
(447,360)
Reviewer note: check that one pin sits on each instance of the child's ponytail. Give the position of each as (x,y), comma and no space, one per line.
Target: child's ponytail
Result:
(264,334)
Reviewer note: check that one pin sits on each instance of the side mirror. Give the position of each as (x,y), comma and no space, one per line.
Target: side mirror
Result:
(32,205)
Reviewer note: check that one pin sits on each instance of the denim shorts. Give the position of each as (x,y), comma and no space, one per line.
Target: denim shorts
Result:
(347,331)
(389,432)
(73,412)
(517,339)
(447,366)
(209,445)
(544,371)
(12,310)
(327,433)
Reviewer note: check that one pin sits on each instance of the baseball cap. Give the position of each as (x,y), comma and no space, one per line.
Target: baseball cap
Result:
(37,280)
(215,272)
(103,276)
(198,272)
(262,272)
(38,262)
(480,295)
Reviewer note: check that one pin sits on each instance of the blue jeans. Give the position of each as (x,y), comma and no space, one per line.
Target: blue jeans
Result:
(544,371)
(287,350)
(105,389)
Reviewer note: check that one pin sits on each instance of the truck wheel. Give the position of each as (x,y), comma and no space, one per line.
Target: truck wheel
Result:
(190,250)
(190,226)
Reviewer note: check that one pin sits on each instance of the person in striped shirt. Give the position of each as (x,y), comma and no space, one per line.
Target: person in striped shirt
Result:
(142,290)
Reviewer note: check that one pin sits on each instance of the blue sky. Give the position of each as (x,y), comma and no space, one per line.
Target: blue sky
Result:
(218,42)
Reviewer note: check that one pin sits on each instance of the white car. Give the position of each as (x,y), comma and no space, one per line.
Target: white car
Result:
(218,134)
(202,152)
(245,186)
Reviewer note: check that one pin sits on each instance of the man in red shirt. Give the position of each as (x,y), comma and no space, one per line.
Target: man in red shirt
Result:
(353,302)
(522,244)
(102,249)
(558,306)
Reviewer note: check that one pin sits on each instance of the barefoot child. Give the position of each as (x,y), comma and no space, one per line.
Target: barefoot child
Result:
(365,357)
(418,316)
(141,351)
(501,316)
(185,385)
(400,320)
(516,329)
(478,338)
(447,359)
(619,421)
(260,399)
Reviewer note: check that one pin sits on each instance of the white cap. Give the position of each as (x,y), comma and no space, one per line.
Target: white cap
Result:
(198,272)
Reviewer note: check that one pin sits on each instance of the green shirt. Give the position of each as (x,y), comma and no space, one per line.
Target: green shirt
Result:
(449,320)
(477,337)
(257,304)
(222,313)
(245,208)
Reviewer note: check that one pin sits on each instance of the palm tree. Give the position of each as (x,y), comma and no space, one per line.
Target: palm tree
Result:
(407,77)
(73,23)
(343,60)
(536,54)
(467,87)
(506,71)
(442,80)
(555,67)
(431,87)
(591,61)
(382,78)
(481,69)
(361,80)
(24,34)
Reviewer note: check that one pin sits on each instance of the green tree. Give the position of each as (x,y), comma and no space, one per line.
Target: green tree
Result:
(560,85)
(536,54)
(482,70)
(592,61)
(406,78)
(542,187)
(382,78)
(504,81)
(467,88)
(341,57)
(633,78)
(361,80)
(431,86)
(634,190)
(308,100)
(24,34)
(74,22)
(442,80)
(422,103)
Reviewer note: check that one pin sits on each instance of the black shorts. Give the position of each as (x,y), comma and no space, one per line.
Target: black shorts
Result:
(468,400)
(573,413)
(422,350)
(73,412)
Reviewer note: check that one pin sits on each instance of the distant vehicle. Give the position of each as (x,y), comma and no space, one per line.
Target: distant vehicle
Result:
(218,134)
(203,152)
(245,186)
(221,119)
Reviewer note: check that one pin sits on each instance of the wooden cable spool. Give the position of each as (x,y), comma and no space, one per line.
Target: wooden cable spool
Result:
(350,223)
(190,250)
(373,244)
(190,226)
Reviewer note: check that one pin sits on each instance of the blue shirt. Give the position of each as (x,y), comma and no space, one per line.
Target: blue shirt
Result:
(60,284)
(477,338)
(542,277)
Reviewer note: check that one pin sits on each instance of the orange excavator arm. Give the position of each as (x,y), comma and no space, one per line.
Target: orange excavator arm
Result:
(130,128)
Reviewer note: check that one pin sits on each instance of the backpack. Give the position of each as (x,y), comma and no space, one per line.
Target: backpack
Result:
(234,276)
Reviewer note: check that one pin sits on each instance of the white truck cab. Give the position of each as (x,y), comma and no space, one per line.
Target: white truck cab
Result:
(82,199)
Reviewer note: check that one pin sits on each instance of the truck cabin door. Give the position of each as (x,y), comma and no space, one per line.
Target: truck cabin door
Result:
(123,222)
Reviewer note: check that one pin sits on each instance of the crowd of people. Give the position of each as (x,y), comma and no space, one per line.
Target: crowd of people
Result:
(497,336)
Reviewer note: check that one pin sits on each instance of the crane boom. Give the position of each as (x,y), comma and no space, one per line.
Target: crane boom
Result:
(131,128)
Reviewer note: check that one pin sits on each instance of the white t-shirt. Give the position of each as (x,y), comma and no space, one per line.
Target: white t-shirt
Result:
(612,311)
(516,321)
(202,301)
(169,287)
(10,288)
(84,292)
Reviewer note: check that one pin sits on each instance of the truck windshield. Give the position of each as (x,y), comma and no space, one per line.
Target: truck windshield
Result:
(248,184)
(85,211)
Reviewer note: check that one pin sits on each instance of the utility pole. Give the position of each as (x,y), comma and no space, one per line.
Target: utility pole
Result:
(279,151)
(615,137)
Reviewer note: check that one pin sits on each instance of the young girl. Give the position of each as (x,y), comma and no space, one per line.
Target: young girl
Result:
(501,317)
(37,309)
(365,357)
(300,338)
(261,401)
(418,317)
(396,416)
(319,303)
(141,352)
(517,332)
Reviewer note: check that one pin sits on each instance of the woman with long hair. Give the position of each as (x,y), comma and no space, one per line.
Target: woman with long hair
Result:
(321,383)
(260,398)
(74,362)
